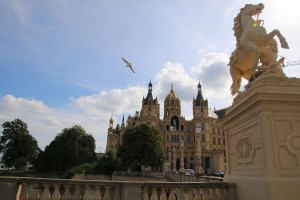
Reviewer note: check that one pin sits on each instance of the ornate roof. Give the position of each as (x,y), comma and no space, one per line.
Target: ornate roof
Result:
(111,120)
(172,96)
(199,99)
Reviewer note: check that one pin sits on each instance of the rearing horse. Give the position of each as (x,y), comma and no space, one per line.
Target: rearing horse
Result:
(251,37)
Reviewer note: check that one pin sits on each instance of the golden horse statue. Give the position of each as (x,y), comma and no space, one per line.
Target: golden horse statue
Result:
(251,39)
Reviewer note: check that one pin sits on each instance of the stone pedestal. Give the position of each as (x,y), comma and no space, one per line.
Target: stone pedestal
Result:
(263,140)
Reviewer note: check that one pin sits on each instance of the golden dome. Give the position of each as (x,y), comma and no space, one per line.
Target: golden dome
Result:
(171,96)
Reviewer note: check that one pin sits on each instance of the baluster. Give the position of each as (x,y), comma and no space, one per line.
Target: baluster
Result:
(106,192)
(117,193)
(222,193)
(145,193)
(45,194)
(112,192)
(67,193)
(154,195)
(163,193)
(56,194)
(216,193)
(87,192)
(33,192)
(210,193)
(102,192)
(172,195)
(181,193)
(205,193)
(23,193)
(189,193)
(76,195)
(198,193)
(97,195)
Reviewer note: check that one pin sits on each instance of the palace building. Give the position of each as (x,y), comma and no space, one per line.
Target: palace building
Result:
(177,132)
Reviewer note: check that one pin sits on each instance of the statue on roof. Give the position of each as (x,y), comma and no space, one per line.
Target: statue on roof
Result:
(253,46)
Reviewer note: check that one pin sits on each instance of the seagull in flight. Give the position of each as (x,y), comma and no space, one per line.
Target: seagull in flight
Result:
(128,64)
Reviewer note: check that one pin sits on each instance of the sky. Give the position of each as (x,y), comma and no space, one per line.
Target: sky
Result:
(60,60)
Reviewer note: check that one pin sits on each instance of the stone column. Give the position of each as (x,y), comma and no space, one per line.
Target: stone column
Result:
(181,170)
(263,139)
(174,160)
(199,170)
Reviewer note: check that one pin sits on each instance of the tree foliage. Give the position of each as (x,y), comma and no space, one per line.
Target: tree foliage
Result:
(142,145)
(70,148)
(17,145)
(107,164)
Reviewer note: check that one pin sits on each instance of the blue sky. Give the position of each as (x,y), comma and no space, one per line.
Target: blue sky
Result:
(61,64)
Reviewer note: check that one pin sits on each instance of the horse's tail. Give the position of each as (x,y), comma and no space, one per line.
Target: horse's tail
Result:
(233,57)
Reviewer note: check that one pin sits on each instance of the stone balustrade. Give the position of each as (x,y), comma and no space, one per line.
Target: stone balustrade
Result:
(177,177)
(63,189)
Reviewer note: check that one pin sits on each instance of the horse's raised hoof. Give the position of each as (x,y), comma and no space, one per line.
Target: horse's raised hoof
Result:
(284,44)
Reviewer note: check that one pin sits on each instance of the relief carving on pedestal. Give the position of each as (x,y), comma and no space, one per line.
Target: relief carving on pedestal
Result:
(244,150)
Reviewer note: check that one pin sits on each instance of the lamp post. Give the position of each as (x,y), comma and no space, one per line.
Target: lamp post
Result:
(174,160)
(199,170)
(169,160)
(181,170)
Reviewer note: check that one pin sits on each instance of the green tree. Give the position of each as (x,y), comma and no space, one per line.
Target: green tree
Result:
(142,145)
(107,164)
(17,145)
(71,148)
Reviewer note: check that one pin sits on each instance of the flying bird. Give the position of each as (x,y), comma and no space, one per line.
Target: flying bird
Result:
(128,64)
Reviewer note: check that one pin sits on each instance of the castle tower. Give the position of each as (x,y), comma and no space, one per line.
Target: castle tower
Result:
(200,106)
(110,134)
(172,108)
(150,109)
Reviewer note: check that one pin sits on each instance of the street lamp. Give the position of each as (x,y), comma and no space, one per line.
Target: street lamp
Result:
(199,170)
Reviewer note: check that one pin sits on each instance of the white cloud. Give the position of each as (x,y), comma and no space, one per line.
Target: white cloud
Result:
(92,112)
(175,74)
(214,75)
(21,11)
(117,101)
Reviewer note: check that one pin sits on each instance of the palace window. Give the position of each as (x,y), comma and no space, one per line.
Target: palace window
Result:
(189,139)
(203,137)
(182,138)
(188,127)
